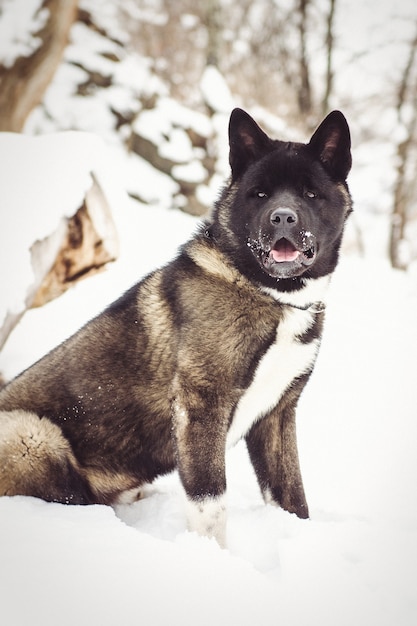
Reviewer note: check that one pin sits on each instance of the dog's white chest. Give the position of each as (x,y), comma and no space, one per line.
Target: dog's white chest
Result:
(286,359)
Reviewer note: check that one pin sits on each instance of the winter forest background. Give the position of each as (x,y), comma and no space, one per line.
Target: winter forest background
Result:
(106,67)
(148,86)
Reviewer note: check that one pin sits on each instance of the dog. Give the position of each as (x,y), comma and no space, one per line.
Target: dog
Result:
(214,347)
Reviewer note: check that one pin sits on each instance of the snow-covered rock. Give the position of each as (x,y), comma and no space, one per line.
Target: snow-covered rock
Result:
(215,91)
(56,222)
(178,142)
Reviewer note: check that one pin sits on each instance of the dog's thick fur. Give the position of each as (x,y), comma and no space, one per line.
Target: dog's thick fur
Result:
(213,347)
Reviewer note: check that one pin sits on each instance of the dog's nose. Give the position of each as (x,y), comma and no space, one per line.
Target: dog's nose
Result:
(284,217)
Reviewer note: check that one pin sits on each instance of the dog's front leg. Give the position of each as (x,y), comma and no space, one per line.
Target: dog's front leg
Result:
(200,444)
(272,447)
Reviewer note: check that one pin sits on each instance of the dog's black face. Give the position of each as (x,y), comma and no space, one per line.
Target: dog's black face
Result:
(289,200)
(293,213)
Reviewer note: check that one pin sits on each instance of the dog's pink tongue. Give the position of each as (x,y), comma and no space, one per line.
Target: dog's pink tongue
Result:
(284,251)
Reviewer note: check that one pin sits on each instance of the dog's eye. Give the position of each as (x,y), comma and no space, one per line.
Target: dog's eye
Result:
(261,194)
(310,194)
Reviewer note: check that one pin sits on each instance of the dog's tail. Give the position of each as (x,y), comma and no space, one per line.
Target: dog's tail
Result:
(37,460)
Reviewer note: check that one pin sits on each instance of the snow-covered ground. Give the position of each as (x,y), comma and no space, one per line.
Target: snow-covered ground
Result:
(353,562)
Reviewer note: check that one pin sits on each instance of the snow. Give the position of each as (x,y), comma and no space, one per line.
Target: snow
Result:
(354,561)
(163,125)
(215,91)
(20,21)
(56,168)
(373,44)
(192,172)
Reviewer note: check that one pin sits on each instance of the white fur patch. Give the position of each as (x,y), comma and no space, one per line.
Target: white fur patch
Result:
(207,517)
(313,291)
(180,415)
(130,496)
(284,360)
(268,498)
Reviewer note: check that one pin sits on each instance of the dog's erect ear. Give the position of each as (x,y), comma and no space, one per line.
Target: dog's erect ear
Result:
(247,142)
(331,144)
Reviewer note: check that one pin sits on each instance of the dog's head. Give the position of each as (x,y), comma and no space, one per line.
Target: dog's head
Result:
(283,213)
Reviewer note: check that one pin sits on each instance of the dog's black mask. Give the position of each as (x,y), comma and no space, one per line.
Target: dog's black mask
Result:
(287,202)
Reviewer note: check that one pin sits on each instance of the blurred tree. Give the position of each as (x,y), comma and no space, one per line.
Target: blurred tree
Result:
(304,96)
(212,19)
(287,41)
(23,83)
(405,191)
(267,50)
(330,43)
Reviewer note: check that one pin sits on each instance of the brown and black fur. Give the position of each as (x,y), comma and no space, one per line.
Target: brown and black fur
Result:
(153,382)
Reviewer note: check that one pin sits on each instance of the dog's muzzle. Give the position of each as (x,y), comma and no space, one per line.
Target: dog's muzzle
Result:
(285,250)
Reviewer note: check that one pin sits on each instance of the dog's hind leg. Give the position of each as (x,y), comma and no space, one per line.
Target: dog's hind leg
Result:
(37,460)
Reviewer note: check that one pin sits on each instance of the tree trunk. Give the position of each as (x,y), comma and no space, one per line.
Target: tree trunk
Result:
(304,91)
(329,59)
(23,85)
(404,187)
(212,19)
(399,213)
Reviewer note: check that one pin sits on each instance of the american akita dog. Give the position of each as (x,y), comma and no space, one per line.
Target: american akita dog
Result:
(214,347)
